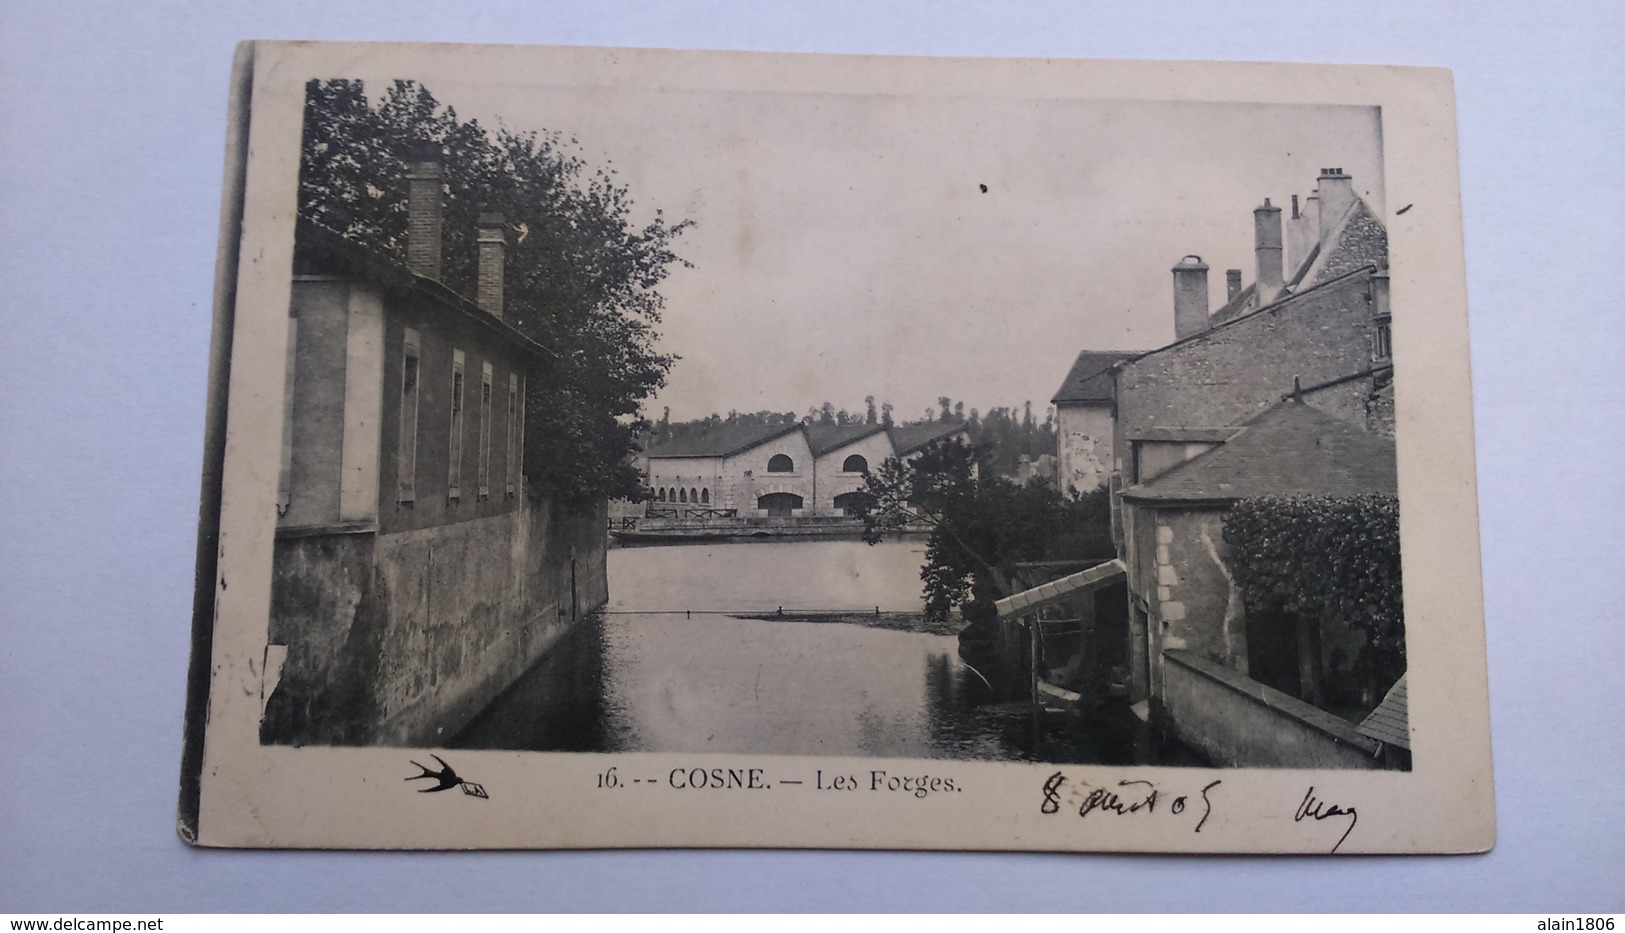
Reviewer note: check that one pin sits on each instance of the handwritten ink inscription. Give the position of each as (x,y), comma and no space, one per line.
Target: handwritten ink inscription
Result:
(1126,798)
(1312,808)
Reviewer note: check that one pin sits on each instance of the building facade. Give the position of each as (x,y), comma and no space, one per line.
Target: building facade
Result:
(416,573)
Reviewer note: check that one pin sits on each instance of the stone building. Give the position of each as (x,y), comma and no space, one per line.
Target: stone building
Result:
(416,574)
(1085,409)
(745,470)
(1286,389)
(776,471)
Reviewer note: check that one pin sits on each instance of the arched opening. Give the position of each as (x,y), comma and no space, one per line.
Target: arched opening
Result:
(855,464)
(779,504)
(847,502)
(682,495)
(705,497)
(660,495)
(780,463)
(693,495)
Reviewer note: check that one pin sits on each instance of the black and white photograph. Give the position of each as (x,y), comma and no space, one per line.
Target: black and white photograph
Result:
(829,422)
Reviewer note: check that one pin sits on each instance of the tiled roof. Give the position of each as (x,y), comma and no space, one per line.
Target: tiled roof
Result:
(1289,449)
(824,438)
(1084,581)
(723,440)
(314,243)
(1090,379)
(1236,305)
(1187,435)
(1390,721)
(907,438)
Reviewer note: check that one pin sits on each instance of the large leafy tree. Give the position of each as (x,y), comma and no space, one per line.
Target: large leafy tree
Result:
(982,527)
(581,275)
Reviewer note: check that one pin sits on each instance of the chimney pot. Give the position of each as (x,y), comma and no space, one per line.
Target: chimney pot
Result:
(1232,284)
(1190,297)
(492,238)
(423,208)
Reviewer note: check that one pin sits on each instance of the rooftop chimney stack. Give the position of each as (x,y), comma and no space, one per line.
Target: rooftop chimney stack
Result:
(1190,297)
(1267,248)
(493,247)
(1232,284)
(423,209)
(1336,195)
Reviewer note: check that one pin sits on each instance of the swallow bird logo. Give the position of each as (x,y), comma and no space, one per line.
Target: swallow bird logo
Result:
(446,779)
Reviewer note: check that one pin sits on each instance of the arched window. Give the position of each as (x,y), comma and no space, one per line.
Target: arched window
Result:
(693,495)
(854,464)
(682,495)
(705,496)
(781,464)
(660,496)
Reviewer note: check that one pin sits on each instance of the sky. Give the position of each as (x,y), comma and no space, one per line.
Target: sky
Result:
(843,244)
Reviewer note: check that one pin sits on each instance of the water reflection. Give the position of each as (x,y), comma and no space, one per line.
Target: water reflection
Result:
(695,680)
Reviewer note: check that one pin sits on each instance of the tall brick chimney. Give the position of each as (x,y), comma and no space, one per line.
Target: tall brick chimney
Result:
(1232,284)
(423,209)
(1267,248)
(493,247)
(1190,297)
(1336,194)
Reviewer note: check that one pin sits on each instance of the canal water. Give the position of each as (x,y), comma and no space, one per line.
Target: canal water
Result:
(677,663)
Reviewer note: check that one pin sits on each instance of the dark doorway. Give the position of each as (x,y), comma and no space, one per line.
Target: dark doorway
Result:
(779,504)
(847,502)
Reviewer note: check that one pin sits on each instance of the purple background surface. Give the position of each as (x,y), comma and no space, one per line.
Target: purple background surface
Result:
(111,129)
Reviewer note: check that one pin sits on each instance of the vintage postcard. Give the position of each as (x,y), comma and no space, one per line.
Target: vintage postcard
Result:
(634,448)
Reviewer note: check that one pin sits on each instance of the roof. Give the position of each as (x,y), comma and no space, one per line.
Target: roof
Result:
(823,438)
(1090,379)
(360,260)
(1186,435)
(907,438)
(1289,449)
(1084,581)
(1284,299)
(1390,721)
(723,440)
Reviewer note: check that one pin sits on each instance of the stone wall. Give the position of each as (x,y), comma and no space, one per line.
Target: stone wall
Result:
(1239,722)
(400,639)
(1234,371)
(1085,446)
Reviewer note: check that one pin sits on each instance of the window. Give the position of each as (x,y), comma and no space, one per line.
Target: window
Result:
(682,495)
(485,430)
(661,495)
(510,462)
(284,487)
(781,464)
(705,497)
(693,495)
(855,464)
(407,455)
(454,473)
(1385,339)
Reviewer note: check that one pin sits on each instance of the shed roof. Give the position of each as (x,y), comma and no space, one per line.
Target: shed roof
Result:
(1090,379)
(723,440)
(1289,449)
(1390,721)
(823,438)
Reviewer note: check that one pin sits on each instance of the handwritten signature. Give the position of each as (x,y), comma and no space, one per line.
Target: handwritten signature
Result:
(1313,808)
(1131,797)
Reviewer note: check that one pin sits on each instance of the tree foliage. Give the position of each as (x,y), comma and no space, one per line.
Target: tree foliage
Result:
(1334,559)
(581,275)
(982,526)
